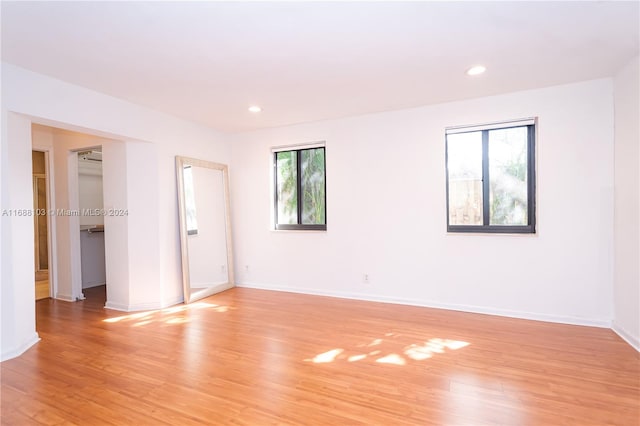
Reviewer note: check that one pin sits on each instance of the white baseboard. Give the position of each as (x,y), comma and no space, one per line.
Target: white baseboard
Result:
(17,351)
(116,306)
(634,341)
(438,305)
(136,307)
(65,297)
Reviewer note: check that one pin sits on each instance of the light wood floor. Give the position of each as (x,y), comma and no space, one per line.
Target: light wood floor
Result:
(251,357)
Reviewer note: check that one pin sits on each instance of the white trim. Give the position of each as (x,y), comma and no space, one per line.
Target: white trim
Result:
(51,237)
(74,226)
(15,352)
(117,306)
(142,306)
(488,126)
(75,248)
(320,144)
(300,231)
(634,341)
(65,297)
(437,305)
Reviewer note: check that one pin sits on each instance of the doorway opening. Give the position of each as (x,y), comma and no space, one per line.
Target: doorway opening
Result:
(91,206)
(77,257)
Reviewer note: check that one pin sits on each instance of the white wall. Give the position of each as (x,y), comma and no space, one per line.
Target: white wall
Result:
(386,212)
(627,214)
(144,181)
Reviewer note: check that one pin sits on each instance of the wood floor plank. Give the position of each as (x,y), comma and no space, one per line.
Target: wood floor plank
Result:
(254,357)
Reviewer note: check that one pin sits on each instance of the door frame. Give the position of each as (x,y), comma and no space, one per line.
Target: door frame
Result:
(77,291)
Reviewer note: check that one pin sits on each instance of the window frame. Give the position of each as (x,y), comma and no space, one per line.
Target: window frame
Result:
(298,226)
(486,227)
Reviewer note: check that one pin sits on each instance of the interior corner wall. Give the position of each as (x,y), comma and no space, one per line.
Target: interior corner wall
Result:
(150,185)
(627,199)
(386,212)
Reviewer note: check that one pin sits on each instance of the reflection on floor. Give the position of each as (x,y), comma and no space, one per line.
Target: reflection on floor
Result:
(42,285)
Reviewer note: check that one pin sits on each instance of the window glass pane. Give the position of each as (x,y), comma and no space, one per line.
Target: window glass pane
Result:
(508,176)
(287,198)
(464,156)
(312,174)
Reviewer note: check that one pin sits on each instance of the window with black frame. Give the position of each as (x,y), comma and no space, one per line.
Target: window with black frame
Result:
(491,177)
(300,188)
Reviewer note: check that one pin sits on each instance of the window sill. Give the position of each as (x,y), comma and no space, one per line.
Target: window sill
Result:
(492,234)
(298,231)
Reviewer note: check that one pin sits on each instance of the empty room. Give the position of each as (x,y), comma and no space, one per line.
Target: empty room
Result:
(320,213)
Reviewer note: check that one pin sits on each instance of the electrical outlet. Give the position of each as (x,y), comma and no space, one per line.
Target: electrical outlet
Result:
(246,268)
(365,278)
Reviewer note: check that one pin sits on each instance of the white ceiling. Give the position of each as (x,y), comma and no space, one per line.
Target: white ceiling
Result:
(208,61)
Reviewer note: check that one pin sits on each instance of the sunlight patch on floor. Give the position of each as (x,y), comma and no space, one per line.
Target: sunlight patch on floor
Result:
(392,359)
(172,315)
(328,356)
(389,351)
(426,350)
(354,358)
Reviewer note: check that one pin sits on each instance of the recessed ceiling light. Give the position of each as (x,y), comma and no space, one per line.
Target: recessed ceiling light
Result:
(254,108)
(476,70)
